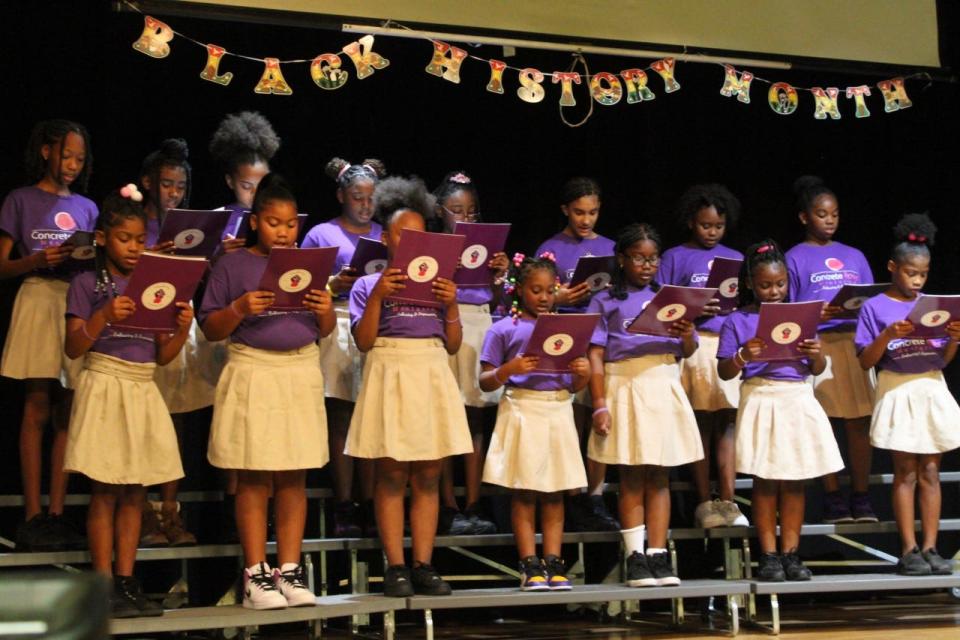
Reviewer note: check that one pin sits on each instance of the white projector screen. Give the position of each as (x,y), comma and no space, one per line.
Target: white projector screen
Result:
(896,32)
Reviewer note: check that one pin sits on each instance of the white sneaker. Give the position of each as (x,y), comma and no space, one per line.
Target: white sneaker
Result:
(708,515)
(259,589)
(293,586)
(731,513)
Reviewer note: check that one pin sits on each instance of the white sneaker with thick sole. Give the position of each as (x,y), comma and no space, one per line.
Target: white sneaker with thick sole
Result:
(260,590)
(731,514)
(293,586)
(708,515)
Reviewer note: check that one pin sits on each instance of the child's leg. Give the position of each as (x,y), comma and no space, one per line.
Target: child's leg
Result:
(100,517)
(726,452)
(168,490)
(930,498)
(424,507)
(473,461)
(36,413)
(904,490)
(391,482)
(792,500)
(253,492)
(58,450)
(551,521)
(859,453)
(656,499)
(765,513)
(523,515)
(290,506)
(630,500)
(446,483)
(341,465)
(127,530)
(701,468)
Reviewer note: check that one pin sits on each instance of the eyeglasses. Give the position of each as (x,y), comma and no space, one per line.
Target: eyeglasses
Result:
(469,216)
(640,261)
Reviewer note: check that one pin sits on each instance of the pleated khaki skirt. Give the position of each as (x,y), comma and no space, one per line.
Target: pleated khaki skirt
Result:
(182,382)
(269,413)
(465,363)
(915,413)
(34,345)
(340,360)
(120,430)
(698,373)
(783,433)
(409,407)
(844,389)
(534,445)
(651,421)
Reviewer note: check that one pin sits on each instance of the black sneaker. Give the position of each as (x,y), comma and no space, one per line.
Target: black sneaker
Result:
(793,567)
(557,574)
(662,570)
(588,513)
(638,573)
(445,519)
(478,521)
(427,582)
(129,590)
(122,604)
(460,524)
(533,575)
(396,582)
(938,566)
(346,520)
(63,528)
(835,509)
(913,564)
(769,568)
(860,508)
(36,535)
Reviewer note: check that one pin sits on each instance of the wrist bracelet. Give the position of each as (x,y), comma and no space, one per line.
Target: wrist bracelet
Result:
(597,412)
(234,309)
(454,321)
(743,361)
(83,328)
(496,377)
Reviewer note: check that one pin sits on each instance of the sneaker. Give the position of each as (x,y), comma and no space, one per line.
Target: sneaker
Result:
(151,531)
(171,523)
(533,576)
(481,525)
(260,591)
(662,570)
(292,585)
(938,566)
(835,509)
(62,528)
(638,573)
(732,515)
(557,574)
(396,582)
(127,591)
(427,582)
(589,513)
(346,520)
(707,515)
(860,508)
(793,568)
(769,568)
(913,564)
(460,524)
(36,535)
(369,520)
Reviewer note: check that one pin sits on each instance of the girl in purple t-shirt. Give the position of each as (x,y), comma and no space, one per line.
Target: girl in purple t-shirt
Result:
(642,420)
(35,224)
(783,436)
(128,443)
(409,415)
(818,268)
(534,449)
(269,420)
(915,417)
(708,211)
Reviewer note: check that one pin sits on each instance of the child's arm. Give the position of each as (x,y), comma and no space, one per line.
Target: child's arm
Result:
(222,322)
(492,378)
(581,373)
(11,268)
(601,415)
(811,349)
(446,292)
(729,368)
(366,329)
(683,329)
(873,352)
(953,330)
(169,345)
(83,332)
(321,303)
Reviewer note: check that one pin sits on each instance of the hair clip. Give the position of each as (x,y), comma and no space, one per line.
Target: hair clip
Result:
(460,178)
(131,192)
(518,259)
(764,248)
(549,255)
(913,237)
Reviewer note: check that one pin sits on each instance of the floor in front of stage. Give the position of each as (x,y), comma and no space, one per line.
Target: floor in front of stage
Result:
(921,616)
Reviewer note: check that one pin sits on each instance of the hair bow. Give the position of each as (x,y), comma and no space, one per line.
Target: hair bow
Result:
(913,237)
(518,259)
(131,192)
(764,248)
(460,178)
(549,255)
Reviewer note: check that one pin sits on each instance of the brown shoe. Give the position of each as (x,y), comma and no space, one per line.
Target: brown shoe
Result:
(173,529)
(151,534)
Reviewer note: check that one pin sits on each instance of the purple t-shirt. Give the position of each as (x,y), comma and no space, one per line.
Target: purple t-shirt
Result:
(474,295)
(616,315)
(819,272)
(397,319)
(126,344)
(237,211)
(685,266)
(503,343)
(235,274)
(36,219)
(568,250)
(741,326)
(153,232)
(903,355)
(331,234)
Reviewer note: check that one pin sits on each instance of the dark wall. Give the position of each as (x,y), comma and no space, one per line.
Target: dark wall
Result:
(74,60)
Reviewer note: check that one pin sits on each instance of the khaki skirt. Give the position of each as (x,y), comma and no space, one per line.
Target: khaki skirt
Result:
(844,389)
(915,413)
(783,433)
(340,360)
(534,445)
(120,430)
(651,421)
(182,382)
(465,363)
(698,373)
(269,413)
(409,407)
(34,346)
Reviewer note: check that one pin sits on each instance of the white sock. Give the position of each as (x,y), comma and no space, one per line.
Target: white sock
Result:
(633,539)
(255,569)
(652,551)
(288,566)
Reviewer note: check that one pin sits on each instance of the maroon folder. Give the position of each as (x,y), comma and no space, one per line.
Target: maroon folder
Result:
(724,277)
(291,274)
(597,271)
(482,240)
(852,296)
(931,315)
(370,256)
(784,325)
(81,257)
(194,232)
(423,257)
(156,284)
(560,338)
(671,303)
